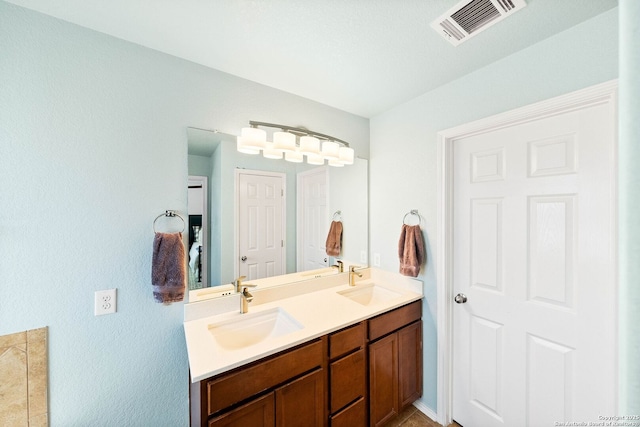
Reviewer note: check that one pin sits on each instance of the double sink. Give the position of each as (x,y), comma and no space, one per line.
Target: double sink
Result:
(220,338)
(253,328)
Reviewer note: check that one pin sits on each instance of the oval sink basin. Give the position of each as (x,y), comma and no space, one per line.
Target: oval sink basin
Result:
(370,294)
(252,328)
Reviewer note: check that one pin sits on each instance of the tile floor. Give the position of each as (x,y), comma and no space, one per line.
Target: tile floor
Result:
(411,417)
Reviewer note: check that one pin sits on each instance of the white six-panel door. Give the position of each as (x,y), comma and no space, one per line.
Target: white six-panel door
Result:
(313,219)
(260,224)
(534,343)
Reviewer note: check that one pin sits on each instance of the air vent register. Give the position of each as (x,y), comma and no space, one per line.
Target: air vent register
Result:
(468,19)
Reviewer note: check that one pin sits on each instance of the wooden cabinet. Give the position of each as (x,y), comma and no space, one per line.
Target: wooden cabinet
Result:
(301,402)
(348,377)
(395,362)
(410,363)
(364,374)
(258,412)
(383,380)
(352,416)
(296,404)
(294,377)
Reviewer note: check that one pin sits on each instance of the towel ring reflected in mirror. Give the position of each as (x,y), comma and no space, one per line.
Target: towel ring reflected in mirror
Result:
(169,214)
(411,213)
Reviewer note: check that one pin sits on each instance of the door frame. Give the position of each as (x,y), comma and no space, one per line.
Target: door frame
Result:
(236,214)
(604,93)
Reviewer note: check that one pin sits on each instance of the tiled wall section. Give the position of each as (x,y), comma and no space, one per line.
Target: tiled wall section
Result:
(23,370)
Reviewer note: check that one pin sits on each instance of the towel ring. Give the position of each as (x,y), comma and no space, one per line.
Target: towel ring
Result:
(412,212)
(170,214)
(339,213)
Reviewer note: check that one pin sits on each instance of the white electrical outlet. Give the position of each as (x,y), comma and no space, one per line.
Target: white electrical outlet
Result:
(376,260)
(105,302)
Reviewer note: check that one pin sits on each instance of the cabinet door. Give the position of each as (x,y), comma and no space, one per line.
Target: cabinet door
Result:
(383,380)
(257,413)
(301,403)
(410,363)
(348,380)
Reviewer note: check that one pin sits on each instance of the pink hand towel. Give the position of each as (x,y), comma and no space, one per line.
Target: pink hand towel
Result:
(411,250)
(168,268)
(334,238)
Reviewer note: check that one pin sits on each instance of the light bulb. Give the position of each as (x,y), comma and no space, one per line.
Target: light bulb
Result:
(309,145)
(270,152)
(315,159)
(253,138)
(330,150)
(243,149)
(346,155)
(284,141)
(294,156)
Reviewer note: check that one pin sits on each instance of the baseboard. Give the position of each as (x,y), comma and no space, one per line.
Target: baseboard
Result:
(426,410)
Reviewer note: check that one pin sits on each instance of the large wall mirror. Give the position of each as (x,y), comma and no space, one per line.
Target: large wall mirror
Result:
(226,230)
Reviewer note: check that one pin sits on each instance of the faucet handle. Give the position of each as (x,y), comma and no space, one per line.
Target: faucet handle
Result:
(238,283)
(245,299)
(247,295)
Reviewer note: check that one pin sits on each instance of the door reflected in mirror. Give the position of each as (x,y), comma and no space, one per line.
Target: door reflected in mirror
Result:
(311,197)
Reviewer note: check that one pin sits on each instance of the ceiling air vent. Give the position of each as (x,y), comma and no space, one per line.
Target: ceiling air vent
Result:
(468,18)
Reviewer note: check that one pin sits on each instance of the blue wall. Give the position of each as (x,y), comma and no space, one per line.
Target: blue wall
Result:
(93,146)
(629,222)
(403,160)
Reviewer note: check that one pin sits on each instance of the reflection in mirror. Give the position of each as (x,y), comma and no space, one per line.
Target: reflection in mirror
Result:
(312,196)
(197,209)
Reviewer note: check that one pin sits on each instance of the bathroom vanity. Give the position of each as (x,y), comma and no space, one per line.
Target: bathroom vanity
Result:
(327,355)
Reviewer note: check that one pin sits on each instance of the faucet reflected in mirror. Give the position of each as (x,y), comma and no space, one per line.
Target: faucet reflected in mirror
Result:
(309,192)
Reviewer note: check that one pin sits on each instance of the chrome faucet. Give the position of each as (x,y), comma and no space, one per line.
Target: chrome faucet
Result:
(245,299)
(352,275)
(339,265)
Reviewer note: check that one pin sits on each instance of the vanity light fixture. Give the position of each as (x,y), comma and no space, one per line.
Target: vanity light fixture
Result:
(317,147)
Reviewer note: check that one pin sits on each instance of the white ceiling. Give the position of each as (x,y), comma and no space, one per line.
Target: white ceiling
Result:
(361,56)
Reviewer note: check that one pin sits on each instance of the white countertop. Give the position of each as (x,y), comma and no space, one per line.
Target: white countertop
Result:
(317,307)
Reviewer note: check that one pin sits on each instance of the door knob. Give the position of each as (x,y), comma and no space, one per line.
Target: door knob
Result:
(460,298)
(244,258)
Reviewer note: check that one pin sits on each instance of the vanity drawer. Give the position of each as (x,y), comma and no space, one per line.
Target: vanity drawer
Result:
(354,415)
(346,340)
(347,379)
(386,323)
(258,412)
(240,384)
